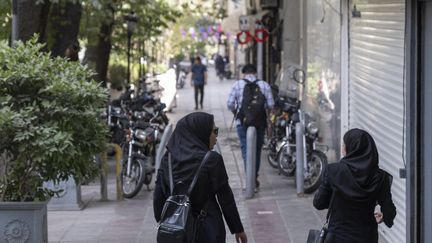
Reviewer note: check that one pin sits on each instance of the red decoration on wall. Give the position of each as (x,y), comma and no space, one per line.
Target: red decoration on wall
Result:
(265,35)
(243,37)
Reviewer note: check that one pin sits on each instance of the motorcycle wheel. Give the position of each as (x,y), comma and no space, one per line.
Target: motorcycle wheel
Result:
(149,170)
(182,83)
(148,178)
(228,75)
(317,162)
(272,154)
(286,162)
(132,184)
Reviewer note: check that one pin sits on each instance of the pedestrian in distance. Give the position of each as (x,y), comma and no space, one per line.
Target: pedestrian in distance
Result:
(198,80)
(250,100)
(72,51)
(220,65)
(352,188)
(194,136)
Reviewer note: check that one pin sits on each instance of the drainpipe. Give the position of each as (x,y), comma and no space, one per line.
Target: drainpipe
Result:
(260,53)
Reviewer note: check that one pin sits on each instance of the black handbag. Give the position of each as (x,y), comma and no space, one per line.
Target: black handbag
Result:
(177,220)
(319,236)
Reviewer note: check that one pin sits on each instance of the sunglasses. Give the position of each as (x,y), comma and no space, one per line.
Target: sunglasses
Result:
(216,130)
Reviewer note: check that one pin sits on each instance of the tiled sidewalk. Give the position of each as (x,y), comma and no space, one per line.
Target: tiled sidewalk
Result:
(275,215)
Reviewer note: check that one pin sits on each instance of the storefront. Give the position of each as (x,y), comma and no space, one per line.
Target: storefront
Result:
(376,97)
(322,60)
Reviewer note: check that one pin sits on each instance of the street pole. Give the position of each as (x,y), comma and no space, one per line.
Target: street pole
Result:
(260,52)
(299,159)
(236,76)
(145,58)
(251,138)
(154,57)
(14,36)
(128,57)
(139,61)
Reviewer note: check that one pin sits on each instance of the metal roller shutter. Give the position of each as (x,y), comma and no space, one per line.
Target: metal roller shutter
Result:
(376,64)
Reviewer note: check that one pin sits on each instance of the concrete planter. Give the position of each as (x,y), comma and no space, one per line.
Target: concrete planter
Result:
(23,222)
(69,199)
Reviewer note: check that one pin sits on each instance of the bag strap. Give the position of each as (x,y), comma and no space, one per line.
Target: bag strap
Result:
(252,82)
(171,180)
(197,173)
(330,208)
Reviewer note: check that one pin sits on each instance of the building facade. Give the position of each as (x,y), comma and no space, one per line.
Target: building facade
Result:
(366,64)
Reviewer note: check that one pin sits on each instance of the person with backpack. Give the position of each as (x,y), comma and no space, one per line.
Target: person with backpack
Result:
(192,192)
(250,99)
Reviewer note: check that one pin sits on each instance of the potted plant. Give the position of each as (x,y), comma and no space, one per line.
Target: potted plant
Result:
(50,129)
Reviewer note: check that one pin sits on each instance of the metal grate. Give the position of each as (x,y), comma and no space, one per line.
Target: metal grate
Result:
(376,90)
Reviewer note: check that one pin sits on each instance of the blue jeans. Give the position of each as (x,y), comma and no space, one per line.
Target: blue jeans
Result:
(242,131)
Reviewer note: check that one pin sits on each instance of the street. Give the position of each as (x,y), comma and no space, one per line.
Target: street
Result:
(274,215)
(342,70)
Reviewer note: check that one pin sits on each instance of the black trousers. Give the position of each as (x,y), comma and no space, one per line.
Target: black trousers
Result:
(199,89)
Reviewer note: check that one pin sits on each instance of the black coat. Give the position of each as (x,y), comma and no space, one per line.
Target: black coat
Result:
(188,145)
(212,183)
(352,218)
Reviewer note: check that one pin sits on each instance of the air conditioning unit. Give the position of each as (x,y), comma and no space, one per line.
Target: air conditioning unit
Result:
(269,4)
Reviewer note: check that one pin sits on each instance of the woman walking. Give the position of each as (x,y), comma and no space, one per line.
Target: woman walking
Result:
(354,187)
(195,135)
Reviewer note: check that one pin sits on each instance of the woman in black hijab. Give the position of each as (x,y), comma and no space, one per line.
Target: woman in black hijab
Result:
(195,135)
(357,185)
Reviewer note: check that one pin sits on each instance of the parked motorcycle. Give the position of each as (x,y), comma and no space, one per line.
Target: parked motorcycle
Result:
(315,160)
(136,123)
(138,168)
(284,109)
(282,143)
(181,81)
(225,73)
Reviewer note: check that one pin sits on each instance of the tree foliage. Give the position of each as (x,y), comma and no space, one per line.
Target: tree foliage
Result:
(101,25)
(196,17)
(5,19)
(50,126)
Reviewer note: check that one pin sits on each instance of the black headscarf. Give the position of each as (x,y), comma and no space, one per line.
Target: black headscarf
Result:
(359,176)
(191,137)
(361,155)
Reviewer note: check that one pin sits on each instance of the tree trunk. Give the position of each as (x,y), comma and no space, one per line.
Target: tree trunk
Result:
(103,52)
(63,27)
(32,18)
(98,56)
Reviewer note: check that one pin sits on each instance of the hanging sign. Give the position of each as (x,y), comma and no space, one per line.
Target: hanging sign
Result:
(244,23)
